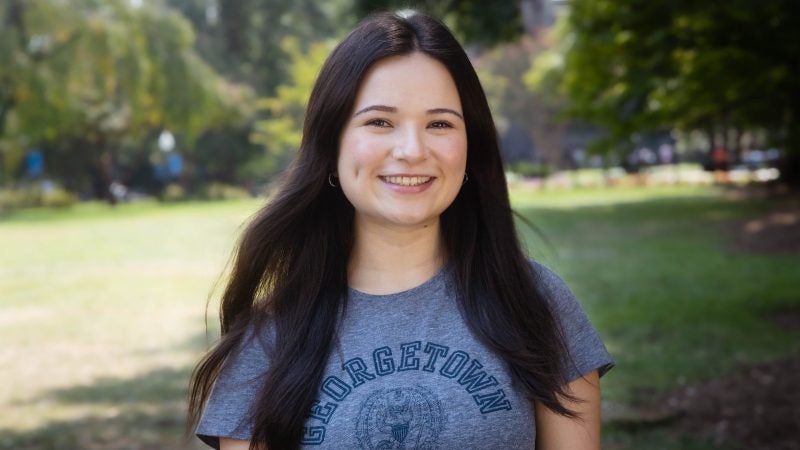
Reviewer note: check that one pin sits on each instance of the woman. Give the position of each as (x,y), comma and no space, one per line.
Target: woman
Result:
(381,299)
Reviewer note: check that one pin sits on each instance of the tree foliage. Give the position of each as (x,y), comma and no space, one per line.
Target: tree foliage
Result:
(280,132)
(515,107)
(273,46)
(713,66)
(84,77)
(243,39)
(475,21)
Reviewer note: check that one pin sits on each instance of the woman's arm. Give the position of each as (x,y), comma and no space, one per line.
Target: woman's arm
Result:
(556,432)
(233,444)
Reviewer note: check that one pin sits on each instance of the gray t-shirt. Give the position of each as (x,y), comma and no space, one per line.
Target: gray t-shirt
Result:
(407,373)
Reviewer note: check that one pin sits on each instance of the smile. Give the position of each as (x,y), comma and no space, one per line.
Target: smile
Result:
(406,181)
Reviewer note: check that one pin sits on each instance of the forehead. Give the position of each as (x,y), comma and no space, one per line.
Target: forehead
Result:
(415,79)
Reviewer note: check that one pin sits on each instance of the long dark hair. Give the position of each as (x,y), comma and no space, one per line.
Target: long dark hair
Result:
(290,264)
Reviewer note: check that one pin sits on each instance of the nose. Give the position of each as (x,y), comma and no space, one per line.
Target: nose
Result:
(410,146)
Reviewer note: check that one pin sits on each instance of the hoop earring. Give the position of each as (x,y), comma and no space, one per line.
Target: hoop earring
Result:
(331,176)
(466,177)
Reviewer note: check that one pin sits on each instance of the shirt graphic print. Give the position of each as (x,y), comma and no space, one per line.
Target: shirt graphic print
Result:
(405,415)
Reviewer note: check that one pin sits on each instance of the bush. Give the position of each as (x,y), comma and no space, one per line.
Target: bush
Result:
(222,191)
(12,199)
(57,198)
(173,193)
(530,169)
(51,196)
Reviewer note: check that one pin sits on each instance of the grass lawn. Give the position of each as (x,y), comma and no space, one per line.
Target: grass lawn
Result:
(101,319)
(674,303)
(101,310)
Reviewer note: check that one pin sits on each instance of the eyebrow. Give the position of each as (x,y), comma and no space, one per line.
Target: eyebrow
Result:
(445,110)
(389,109)
(392,109)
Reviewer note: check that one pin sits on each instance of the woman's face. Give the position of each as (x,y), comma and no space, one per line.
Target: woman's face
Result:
(403,151)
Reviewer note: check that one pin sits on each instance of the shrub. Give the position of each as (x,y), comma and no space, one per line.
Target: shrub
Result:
(222,191)
(11,200)
(57,198)
(529,169)
(173,193)
(49,195)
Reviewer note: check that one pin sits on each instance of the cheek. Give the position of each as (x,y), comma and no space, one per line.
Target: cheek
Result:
(357,153)
(347,148)
(455,153)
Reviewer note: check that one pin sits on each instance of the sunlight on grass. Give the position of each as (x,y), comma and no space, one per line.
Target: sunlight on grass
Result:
(96,297)
(555,198)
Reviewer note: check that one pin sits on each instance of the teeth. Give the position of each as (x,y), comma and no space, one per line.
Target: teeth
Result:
(407,181)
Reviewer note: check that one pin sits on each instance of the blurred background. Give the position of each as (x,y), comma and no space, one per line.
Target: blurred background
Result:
(655,145)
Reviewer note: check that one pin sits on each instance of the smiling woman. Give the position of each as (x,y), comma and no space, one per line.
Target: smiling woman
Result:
(394,308)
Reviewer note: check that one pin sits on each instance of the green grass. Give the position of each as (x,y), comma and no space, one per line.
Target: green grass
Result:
(101,309)
(101,318)
(674,305)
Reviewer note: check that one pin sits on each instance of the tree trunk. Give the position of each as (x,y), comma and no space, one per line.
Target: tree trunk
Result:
(14,20)
(6,104)
(789,165)
(736,151)
(790,169)
(712,137)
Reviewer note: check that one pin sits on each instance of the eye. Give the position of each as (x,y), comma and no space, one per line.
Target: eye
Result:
(440,124)
(380,123)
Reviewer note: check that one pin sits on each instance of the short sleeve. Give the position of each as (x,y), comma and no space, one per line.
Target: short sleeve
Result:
(586,350)
(229,408)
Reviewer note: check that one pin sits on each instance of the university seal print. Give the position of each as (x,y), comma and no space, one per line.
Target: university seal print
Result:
(400,418)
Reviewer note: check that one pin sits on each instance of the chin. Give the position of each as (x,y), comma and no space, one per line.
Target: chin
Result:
(411,219)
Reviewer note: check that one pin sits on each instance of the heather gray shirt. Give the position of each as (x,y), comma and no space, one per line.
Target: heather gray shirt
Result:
(407,373)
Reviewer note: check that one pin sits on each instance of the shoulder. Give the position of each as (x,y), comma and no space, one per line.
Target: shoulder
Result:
(251,354)
(544,274)
(551,286)
(227,411)
(586,350)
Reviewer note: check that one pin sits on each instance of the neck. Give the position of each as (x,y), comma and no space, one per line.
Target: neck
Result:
(387,259)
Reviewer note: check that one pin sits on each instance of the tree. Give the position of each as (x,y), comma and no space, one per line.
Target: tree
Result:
(89,79)
(262,43)
(515,105)
(476,22)
(280,132)
(725,68)
(243,39)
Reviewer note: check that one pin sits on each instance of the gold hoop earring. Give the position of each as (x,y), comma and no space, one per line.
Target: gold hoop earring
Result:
(331,176)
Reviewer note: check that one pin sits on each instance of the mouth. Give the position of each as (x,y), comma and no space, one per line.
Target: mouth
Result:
(406,180)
